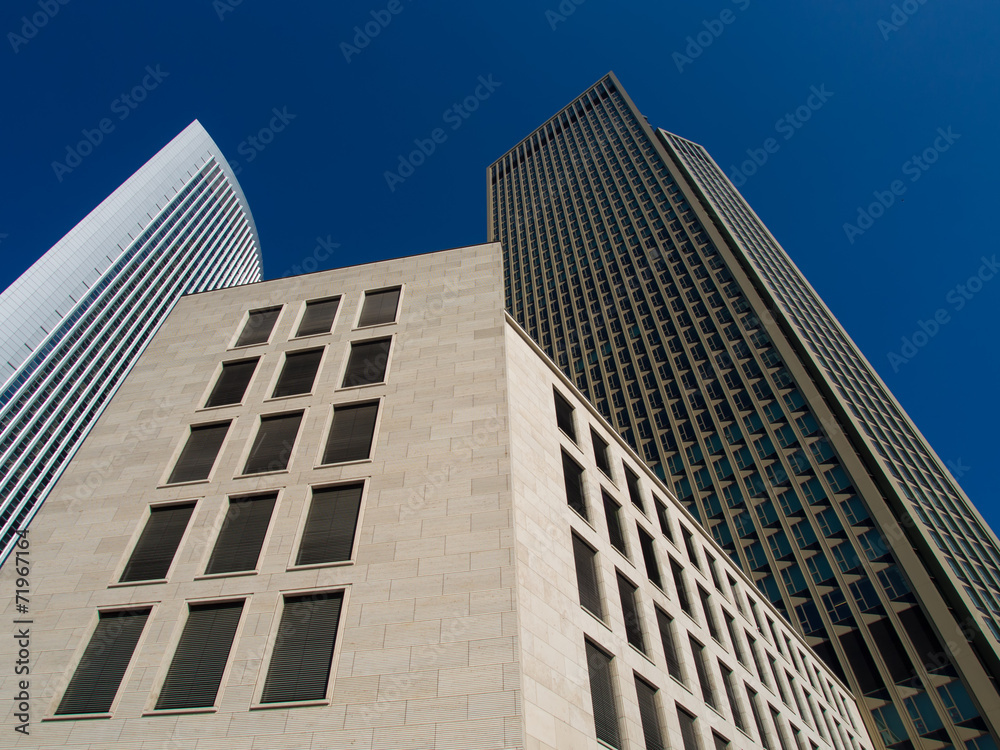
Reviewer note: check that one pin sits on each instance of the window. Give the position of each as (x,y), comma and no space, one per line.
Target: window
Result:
(765,740)
(706,604)
(200,659)
(682,594)
(303,650)
(232,383)
(198,456)
(666,627)
(95,683)
(651,730)
(379,307)
(779,729)
(242,534)
(274,442)
(330,525)
(573,479)
(630,612)
(564,416)
(601,453)
(634,493)
(663,518)
(602,694)
(688,732)
(318,317)
(586,577)
(704,681)
(153,553)
(258,327)
(612,513)
(367,362)
(649,557)
(689,546)
(298,373)
(721,743)
(734,705)
(351,433)
(734,639)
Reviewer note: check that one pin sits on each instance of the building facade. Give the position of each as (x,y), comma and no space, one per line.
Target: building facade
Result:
(637,266)
(366,511)
(76,321)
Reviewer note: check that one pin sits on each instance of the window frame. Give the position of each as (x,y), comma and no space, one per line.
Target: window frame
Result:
(220,522)
(248,448)
(364,295)
(329,428)
(304,518)
(182,444)
(217,375)
(130,548)
(234,342)
(347,361)
(302,314)
(280,369)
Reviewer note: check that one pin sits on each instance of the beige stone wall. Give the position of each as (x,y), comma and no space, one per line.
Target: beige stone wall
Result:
(427,650)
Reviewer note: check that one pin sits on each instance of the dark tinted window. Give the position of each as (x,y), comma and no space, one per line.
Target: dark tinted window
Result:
(318,317)
(379,307)
(199,453)
(153,553)
(232,383)
(258,327)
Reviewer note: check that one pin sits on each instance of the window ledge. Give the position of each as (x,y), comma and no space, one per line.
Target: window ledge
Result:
(287,398)
(247,346)
(355,387)
(182,484)
(260,474)
(375,325)
(76,717)
(288,704)
(233,574)
(178,711)
(148,582)
(312,335)
(353,462)
(218,407)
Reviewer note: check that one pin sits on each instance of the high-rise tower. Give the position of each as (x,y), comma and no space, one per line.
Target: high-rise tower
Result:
(637,266)
(76,321)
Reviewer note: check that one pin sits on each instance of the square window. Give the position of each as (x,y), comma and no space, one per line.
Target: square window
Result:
(303,650)
(258,327)
(367,362)
(331,525)
(318,317)
(351,433)
(232,383)
(298,373)
(379,307)
(274,442)
(199,453)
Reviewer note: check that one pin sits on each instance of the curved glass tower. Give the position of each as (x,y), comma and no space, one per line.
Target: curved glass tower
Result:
(73,324)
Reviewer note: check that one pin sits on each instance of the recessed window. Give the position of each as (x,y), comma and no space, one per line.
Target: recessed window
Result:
(689,546)
(634,492)
(153,553)
(601,453)
(649,557)
(689,735)
(199,453)
(379,307)
(351,433)
(298,373)
(331,524)
(258,327)
(202,654)
(318,317)
(602,694)
(303,650)
(242,534)
(564,416)
(706,604)
(573,479)
(586,576)
(612,513)
(734,705)
(651,730)
(682,594)
(701,666)
(664,518)
(665,624)
(95,683)
(367,362)
(630,612)
(274,442)
(232,383)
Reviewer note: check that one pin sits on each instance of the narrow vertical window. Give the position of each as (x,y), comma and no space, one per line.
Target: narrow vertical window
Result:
(232,383)
(200,660)
(298,373)
(379,307)
(318,317)
(721,743)
(612,513)
(258,327)
(242,534)
(272,447)
(303,650)
(734,705)
(99,674)
(666,627)
(601,453)
(331,525)
(153,553)
(758,720)
(564,416)
(779,729)
(692,553)
(198,456)
(649,557)
(689,734)
(651,730)
(367,362)
(634,491)
(586,577)
(573,480)
(704,681)
(679,584)
(664,518)
(713,568)
(630,612)
(351,433)
(735,639)
(706,604)
(602,694)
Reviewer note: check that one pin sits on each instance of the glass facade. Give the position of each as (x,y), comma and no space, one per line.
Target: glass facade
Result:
(641,271)
(179,225)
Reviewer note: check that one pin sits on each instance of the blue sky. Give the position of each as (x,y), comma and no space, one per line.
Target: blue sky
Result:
(908,115)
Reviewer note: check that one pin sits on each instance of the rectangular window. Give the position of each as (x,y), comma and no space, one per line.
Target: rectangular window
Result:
(630,612)
(318,317)
(649,557)
(601,453)
(232,383)
(153,553)
(734,638)
(258,327)
(379,307)
(634,492)
(99,674)
(702,668)
(682,593)
(689,734)
(689,546)
(573,479)
(242,534)
(612,513)
(351,433)
(721,743)
(779,729)
(202,654)
(330,525)
(303,650)
(602,694)
(367,362)
(666,627)
(587,577)
(706,604)
(765,740)
(734,705)
(198,456)
(274,442)
(664,518)
(298,373)
(564,416)
(651,730)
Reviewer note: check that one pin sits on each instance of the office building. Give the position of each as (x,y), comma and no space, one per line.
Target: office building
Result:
(366,511)
(637,266)
(74,323)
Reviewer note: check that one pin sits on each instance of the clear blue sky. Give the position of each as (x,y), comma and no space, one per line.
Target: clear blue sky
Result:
(893,82)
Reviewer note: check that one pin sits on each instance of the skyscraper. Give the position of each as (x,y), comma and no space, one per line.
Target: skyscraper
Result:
(638,267)
(75,322)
